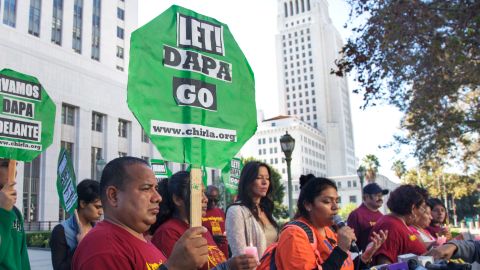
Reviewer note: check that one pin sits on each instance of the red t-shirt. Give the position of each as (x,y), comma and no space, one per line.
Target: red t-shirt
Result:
(168,234)
(362,220)
(400,239)
(109,246)
(214,221)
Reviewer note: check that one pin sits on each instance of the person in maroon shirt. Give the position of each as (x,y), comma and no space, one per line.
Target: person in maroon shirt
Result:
(128,190)
(362,219)
(214,219)
(406,203)
(173,221)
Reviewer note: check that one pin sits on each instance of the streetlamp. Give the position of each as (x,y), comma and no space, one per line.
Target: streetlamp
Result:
(361,175)
(100,166)
(287,143)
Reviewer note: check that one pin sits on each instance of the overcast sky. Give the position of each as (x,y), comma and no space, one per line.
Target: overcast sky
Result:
(253,23)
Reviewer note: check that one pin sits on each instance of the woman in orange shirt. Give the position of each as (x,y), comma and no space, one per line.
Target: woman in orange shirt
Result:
(317,205)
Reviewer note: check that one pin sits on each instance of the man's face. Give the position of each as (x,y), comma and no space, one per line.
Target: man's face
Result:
(138,201)
(374,201)
(4,180)
(212,199)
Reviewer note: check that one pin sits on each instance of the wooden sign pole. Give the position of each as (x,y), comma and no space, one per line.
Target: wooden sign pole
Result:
(195,197)
(12,169)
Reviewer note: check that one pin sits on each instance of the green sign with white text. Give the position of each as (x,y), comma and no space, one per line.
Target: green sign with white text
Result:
(191,88)
(160,169)
(27,116)
(66,182)
(231,175)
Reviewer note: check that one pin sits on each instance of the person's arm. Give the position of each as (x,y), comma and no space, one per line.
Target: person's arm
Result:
(235,227)
(294,251)
(466,250)
(335,260)
(7,218)
(61,255)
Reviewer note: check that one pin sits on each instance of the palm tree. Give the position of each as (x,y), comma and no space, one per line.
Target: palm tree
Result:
(399,168)
(371,165)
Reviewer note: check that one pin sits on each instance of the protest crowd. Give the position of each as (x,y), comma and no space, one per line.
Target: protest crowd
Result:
(146,225)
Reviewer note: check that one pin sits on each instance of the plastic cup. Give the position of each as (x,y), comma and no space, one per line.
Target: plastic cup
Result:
(441,240)
(251,250)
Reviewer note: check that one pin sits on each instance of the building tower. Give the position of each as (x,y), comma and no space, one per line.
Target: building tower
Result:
(307,46)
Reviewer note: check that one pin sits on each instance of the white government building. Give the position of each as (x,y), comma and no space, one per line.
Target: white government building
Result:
(78,50)
(314,105)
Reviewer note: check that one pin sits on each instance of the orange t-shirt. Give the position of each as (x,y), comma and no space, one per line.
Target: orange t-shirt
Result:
(295,251)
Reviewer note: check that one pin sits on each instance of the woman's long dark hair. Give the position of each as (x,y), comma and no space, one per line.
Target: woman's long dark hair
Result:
(247,178)
(178,185)
(432,202)
(311,188)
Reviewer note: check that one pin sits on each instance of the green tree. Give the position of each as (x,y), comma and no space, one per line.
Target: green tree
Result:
(278,191)
(346,210)
(399,168)
(424,58)
(371,165)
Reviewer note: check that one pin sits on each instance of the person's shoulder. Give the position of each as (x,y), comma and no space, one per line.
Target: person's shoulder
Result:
(58,230)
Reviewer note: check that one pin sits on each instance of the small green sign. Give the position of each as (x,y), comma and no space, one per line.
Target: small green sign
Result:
(191,88)
(27,116)
(231,175)
(160,169)
(66,182)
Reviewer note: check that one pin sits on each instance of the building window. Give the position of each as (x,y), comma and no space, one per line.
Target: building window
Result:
(122,154)
(97,122)
(120,32)
(68,115)
(120,68)
(31,185)
(9,12)
(122,128)
(77,26)
(349,183)
(96,155)
(147,159)
(119,52)
(97,8)
(145,138)
(34,18)
(121,14)
(339,184)
(69,147)
(353,199)
(57,21)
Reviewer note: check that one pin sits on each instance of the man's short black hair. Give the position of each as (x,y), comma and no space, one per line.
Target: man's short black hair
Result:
(115,173)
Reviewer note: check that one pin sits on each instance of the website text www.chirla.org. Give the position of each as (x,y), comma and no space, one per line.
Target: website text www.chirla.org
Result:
(193,131)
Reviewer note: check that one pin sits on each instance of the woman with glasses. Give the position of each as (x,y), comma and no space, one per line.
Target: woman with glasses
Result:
(214,219)
(317,206)
(422,221)
(249,220)
(406,203)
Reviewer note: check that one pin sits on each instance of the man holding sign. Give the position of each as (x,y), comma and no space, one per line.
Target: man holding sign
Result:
(128,190)
(13,245)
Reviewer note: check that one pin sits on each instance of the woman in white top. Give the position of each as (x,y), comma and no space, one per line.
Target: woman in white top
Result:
(249,220)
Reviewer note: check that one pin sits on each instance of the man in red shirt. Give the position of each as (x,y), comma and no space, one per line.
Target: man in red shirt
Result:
(128,191)
(362,219)
(214,220)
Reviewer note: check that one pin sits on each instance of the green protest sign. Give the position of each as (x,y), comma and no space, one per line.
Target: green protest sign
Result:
(27,116)
(160,169)
(231,175)
(191,88)
(66,182)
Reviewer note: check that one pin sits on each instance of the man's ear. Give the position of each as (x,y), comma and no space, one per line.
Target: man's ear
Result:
(112,196)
